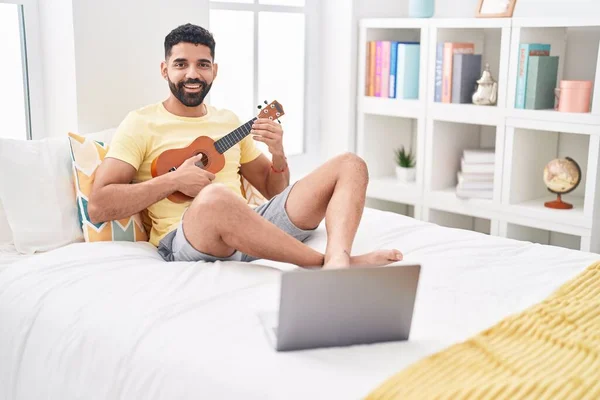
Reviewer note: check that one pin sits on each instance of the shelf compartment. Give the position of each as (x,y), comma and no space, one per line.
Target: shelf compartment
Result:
(577,49)
(381,135)
(448,141)
(391,107)
(390,189)
(459,221)
(491,39)
(391,30)
(542,236)
(528,152)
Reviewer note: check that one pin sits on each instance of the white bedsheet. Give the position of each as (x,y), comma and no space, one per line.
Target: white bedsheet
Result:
(112,320)
(8,255)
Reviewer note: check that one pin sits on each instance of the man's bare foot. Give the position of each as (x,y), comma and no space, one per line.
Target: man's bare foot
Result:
(337,261)
(376,258)
(372,259)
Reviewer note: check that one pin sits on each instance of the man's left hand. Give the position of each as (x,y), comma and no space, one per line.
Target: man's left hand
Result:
(271,133)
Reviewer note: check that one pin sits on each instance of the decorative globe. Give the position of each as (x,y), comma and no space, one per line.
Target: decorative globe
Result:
(562,175)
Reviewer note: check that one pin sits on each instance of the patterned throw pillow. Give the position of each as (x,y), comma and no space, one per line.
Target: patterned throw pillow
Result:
(86,156)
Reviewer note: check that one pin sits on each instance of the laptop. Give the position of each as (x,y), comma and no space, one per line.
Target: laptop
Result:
(343,307)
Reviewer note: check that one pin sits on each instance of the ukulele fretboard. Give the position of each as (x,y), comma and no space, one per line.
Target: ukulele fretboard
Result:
(232,138)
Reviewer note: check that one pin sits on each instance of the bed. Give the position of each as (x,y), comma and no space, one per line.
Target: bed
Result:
(112,320)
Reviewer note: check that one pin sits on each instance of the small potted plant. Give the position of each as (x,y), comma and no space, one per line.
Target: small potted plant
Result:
(405,168)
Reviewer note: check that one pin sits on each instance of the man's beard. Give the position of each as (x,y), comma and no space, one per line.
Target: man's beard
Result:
(186,98)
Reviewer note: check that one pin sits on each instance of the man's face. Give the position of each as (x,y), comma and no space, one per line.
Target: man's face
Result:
(190,73)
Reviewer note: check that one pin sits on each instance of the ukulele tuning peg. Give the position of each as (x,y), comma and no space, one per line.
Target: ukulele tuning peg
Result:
(259,107)
(279,122)
(266,102)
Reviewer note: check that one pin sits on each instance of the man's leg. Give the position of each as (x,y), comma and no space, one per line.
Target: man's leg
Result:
(336,191)
(218,222)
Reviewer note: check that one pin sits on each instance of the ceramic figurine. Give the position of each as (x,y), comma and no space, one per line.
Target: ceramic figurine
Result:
(487,90)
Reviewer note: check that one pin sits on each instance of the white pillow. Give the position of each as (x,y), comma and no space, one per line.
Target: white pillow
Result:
(6,236)
(38,193)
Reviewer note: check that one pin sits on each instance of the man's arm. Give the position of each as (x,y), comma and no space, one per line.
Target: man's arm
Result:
(269,177)
(113,197)
(259,173)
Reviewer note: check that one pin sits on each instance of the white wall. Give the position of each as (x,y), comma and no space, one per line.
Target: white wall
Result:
(58,66)
(114,66)
(338,85)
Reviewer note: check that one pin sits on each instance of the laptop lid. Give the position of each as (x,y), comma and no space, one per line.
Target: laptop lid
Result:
(325,308)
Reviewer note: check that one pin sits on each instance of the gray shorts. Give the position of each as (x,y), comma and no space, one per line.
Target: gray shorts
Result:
(175,247)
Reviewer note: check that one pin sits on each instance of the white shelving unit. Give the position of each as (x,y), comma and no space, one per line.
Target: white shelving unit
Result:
(524,140)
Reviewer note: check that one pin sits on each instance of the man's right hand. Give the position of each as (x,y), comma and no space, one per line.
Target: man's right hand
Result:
(190,178)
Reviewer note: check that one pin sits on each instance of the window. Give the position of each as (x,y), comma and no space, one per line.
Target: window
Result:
(19,115)
(265,51)
(14,102)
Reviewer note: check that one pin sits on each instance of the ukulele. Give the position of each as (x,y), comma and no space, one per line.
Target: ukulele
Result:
(212,151)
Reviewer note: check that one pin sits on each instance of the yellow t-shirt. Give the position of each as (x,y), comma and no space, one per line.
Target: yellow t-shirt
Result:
(147,132)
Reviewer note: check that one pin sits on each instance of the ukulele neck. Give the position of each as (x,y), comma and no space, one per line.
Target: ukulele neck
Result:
(232,138)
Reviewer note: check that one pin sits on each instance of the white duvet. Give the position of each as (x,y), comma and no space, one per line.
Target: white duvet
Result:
(113,321)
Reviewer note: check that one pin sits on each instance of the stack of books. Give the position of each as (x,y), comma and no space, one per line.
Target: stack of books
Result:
(392,69)
(476,177)
(457,69)
(536,78)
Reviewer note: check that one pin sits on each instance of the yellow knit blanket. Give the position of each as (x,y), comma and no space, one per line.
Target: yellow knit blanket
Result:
(549,351)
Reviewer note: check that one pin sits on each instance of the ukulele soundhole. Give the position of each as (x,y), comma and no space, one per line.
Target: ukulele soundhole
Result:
(202,163)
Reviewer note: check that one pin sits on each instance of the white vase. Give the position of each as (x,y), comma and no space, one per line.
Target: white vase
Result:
(406,174)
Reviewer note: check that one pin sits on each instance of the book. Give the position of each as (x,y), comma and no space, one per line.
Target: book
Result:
(378,59)
(439,62)
(386,47)
(476,168)
(474,177)
(483,185)
(542,75)
(466,70)
(370,69)
(526,50)
(450,49)
(407,71)
(393,67)
(478,156)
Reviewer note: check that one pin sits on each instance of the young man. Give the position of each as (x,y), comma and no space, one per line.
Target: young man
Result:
(218,224)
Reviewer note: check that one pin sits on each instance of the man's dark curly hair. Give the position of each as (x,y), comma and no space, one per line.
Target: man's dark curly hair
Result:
(189,33)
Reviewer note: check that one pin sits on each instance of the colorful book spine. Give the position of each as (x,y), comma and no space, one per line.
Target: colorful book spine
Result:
(393,67)
(439,62)
(542,75)
(527,50)
(407,72)
(372,46)
(450,49)
(386,47)
(368,69)
(378,62)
